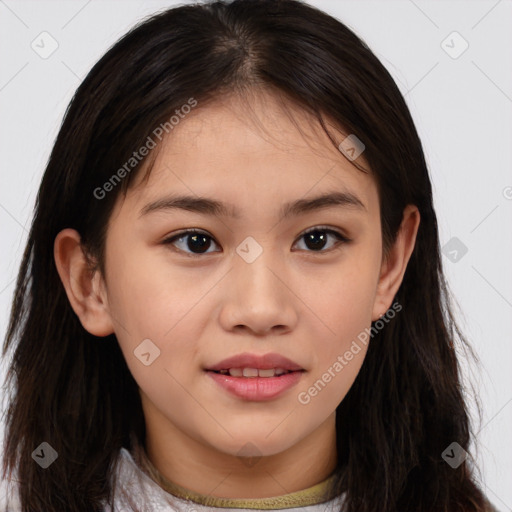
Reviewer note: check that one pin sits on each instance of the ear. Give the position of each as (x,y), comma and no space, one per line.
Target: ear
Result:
(394,265)
(85,289)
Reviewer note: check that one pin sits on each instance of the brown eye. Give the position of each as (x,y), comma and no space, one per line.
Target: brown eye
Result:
(192,242)
(317,238)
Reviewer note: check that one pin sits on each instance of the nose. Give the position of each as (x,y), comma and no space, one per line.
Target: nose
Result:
(259,297)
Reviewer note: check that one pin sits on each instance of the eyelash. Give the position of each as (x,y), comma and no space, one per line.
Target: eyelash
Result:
(323,229)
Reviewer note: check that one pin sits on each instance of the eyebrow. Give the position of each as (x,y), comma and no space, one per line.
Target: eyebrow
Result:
(208,206)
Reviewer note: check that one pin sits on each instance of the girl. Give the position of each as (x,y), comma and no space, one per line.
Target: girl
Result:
(232,293)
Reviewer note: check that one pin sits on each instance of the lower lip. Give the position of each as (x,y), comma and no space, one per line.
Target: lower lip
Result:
(256,388)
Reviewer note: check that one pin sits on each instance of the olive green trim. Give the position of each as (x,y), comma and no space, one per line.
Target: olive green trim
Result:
(319,493)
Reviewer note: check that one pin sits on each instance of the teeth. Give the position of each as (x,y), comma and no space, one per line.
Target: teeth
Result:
(250,372)
(254,372)
(267,373)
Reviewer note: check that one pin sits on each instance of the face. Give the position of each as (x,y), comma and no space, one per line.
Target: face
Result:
(246,280)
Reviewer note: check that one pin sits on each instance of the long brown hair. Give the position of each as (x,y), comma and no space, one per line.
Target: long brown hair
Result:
(405,407)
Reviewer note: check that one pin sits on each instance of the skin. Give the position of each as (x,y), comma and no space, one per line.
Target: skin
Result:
(304,303)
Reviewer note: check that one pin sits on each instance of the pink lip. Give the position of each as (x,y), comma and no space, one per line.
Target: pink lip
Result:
(256,388)
(263,362)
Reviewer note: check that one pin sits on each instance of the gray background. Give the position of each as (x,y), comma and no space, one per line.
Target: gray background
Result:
(462,106)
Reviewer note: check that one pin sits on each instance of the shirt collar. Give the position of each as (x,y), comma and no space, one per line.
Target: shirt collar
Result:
(314,495)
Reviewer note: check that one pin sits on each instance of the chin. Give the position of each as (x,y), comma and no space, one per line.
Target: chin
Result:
(254,446)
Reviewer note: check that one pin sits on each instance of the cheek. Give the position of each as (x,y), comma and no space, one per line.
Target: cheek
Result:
(149,302)
(343,302)
(149,296)
(343,294)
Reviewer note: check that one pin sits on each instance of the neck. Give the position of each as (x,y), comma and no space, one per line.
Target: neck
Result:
(202,469)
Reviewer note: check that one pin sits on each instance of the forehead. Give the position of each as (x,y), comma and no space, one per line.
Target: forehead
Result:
(256,152)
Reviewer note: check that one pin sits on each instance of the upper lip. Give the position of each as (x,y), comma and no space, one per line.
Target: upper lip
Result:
(261,362)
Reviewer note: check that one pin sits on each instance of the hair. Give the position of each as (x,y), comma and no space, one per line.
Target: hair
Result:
(75,391)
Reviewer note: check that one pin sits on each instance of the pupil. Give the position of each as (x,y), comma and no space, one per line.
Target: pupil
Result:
(317,239)
(199,242)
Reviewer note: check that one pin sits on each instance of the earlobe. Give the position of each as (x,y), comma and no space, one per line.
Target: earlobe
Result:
(395,264)
(85,289)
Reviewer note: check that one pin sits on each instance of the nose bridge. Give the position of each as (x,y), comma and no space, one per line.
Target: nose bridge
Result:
(254,263)
(259,298)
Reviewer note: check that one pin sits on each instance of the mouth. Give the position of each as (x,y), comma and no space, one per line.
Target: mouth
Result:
(255,365)
(255,388)
(252,373)
(254,377)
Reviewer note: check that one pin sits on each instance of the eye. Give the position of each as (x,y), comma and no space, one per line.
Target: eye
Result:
(198,242)
(195,241)
(317,237)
